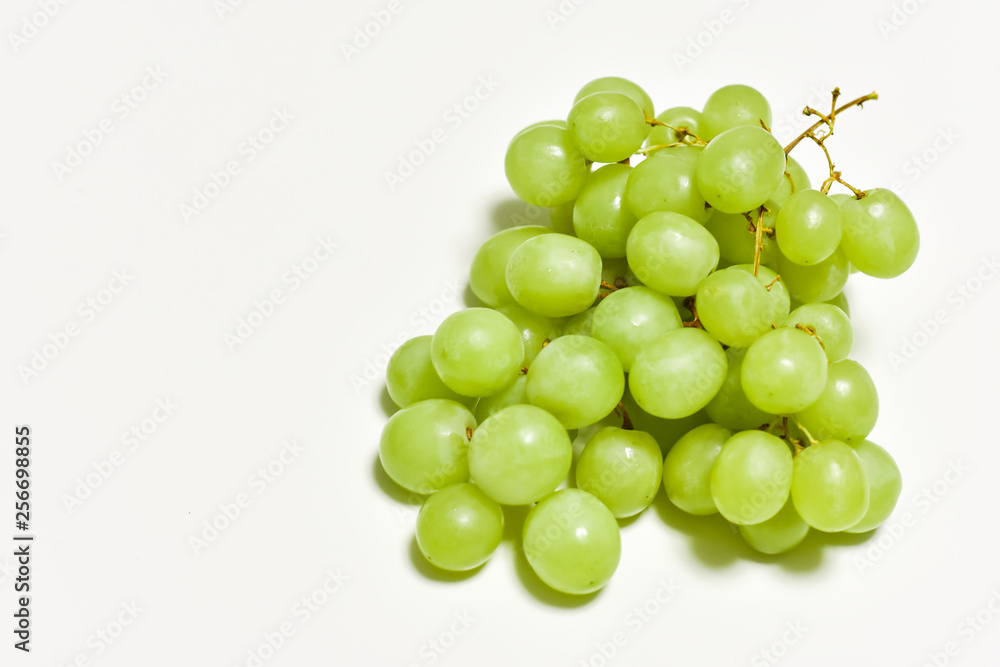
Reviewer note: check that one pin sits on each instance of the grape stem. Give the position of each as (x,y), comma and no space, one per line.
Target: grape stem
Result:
(758,239)
(812,440)
(828,120)
(623,413)
(811,330)
(469,432)
(681,132)
(689,303)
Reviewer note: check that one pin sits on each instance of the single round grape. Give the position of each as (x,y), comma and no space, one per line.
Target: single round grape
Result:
(621,468)
(740,168)
(561,217)
(795,179)
(832,326)
(665,183)
(779,300)
(544,166)
(459,527)
(572,542)
(477,351)
(884,484)
(829,486)
(734,307)
(840,301)
(737,242)
(554,275)
(731,407)
(808,227)
(536,330)
(784,371)
(687,468)
(629,319)
(576,378)
(519,455)
(580,324)
(425,447)
(679,374)
(734,106)
(512,394)
(600,216)
(751,477)
(488,275)
(782,532)
(816,282)
(410,376)
(848,406)
(607,126)
(561,124)
(665,431)
(682,118)
(880,234)
(616,84)
(671,252)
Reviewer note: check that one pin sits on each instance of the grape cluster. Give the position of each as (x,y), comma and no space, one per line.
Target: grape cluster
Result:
(690,305)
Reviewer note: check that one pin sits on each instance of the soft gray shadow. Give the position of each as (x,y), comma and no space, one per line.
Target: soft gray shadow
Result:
(513,212)
(391,489)
(385,401)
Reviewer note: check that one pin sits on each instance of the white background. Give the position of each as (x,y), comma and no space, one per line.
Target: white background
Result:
(401,265)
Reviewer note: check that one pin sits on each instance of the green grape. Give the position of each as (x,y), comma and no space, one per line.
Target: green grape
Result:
(576,378)
(544,166)
(679,374)
(519,455)
(410,376)
(740,168)
(734,307)
(683,118)
(621,468)
(536,330)
(782,532)
(665,431)
(808,227)
(687,469)
(488,275)
(751,477)
(512,394)
(779,301)
(832,326)
(884,484)
(784,371)
(671,252)
(477,351)
(665,183)
(629,319)
(731,407)
(554,275)
(829,486)
(608,126)
(561,124)
(580,324)
(561,217)
(616,84)
(424,447)
(840,301)
(880,234)
(459,527)
(600,216)
(816,282)
(794,180)
(736,242)
(848,406)
(734,106)
(690,153)
(572,542)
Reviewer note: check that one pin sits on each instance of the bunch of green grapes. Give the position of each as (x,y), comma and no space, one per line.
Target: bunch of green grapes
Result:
(684,312)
